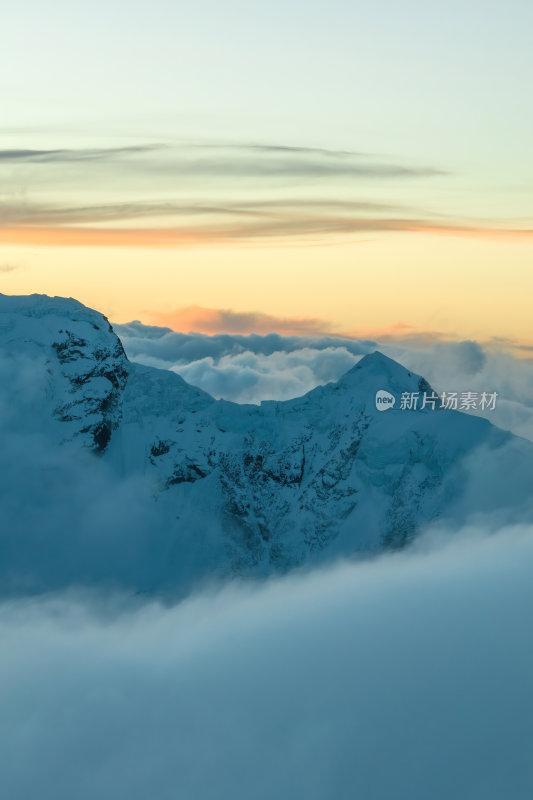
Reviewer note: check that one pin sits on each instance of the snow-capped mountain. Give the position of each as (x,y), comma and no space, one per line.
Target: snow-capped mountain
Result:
(245,488)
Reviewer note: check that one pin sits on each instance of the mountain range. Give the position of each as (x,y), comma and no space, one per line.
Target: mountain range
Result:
(241,489)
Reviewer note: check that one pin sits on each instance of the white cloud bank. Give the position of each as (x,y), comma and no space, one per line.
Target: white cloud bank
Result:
(250,377)
(251,368)
(405,678)
(245,368)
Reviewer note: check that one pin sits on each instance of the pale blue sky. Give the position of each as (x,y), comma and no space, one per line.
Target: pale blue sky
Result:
(431,99)
(448,81)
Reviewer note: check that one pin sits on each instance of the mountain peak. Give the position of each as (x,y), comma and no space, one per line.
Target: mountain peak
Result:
(39,306)
(377,372)
(380,371)
(376,359)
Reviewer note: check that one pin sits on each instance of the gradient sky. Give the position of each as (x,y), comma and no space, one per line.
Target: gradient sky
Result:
(346,166)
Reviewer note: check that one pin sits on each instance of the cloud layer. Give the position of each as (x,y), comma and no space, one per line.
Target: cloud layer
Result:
(408,677)
(246,368)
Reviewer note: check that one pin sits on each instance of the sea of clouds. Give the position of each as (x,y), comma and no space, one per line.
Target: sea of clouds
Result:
(405,677)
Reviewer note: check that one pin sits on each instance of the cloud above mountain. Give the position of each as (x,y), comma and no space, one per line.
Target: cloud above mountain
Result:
(244,367)
(213,320)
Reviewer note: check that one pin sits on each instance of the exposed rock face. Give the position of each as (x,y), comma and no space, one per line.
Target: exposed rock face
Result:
(97,373)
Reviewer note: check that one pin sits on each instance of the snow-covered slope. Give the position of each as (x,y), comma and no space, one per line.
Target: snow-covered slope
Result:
(241,488)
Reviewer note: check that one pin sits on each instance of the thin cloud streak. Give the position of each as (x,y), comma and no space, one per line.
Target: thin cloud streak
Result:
(259,147)
(204,235)
(302,167)
(218,161)
(33,214)
(62,155)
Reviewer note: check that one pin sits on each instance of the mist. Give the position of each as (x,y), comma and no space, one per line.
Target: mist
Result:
(406,677)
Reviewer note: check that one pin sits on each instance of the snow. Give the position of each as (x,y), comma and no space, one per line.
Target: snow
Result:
(246,489)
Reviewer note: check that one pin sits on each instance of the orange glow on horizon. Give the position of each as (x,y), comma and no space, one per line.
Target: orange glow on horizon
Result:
(102,237)
(170,237)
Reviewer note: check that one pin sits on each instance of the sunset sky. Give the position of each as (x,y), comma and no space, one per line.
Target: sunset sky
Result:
(295,166)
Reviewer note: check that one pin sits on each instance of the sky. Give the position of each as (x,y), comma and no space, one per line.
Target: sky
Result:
(333,167)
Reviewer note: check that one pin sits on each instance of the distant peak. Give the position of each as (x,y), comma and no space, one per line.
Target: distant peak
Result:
(377,357)
(377,371)
(378,363)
